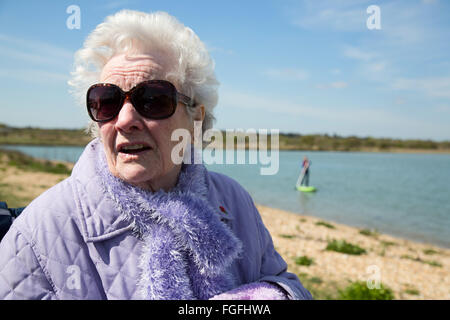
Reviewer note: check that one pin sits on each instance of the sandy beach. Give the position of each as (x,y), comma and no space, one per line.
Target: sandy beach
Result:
(412,270)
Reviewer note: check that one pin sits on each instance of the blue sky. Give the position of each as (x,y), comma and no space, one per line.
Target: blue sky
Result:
(298,66)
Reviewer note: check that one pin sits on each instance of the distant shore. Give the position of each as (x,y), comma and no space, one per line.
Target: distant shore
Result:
(240,147)
(412,270)
(287,141)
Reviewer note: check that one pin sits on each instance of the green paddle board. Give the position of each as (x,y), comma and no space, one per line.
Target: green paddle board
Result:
(306,188)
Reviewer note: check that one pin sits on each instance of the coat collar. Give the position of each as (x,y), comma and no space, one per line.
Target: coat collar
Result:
(99,215)
(187,250)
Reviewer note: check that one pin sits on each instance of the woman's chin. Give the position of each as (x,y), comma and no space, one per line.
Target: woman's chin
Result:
(136,175)
(151,178)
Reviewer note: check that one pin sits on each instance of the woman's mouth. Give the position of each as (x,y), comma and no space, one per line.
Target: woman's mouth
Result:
(133,149)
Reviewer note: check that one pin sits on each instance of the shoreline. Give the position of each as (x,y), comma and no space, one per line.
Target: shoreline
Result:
(240,147)
(359,227)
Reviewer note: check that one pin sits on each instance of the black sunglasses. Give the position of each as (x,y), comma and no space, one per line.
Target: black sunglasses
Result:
(152,99)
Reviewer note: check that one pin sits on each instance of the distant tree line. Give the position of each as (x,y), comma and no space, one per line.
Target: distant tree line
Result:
(353,143)
(44,137)
(287,141)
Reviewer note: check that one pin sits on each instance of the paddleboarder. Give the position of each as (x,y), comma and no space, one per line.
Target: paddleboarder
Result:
(305,170)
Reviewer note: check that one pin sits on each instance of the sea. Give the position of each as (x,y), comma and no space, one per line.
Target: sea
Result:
(406,195)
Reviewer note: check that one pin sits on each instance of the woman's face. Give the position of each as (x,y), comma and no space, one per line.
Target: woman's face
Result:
(152,168)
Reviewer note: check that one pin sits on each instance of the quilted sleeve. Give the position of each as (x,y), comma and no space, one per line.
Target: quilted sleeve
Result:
(274,268)
(21,276)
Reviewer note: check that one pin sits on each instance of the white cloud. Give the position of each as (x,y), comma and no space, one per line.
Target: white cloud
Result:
(362,121)
(335,71)
(433,87)
(118,4)
(377,66)
(409,24)
(331,15)
(403,22)
(34,51)
(333,85)
(339,84)
(287,74)
(34,75)
(211,48)
(30,57)
(400,101)
(443,108)
(231,98)
(358,53)
(220,50)
(371,66)
(236,99)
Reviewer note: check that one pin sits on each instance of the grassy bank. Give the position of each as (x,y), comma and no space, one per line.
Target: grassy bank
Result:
(43,137)
(23,178)
(287,141)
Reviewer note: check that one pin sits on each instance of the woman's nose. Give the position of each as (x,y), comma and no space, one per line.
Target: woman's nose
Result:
(128,118)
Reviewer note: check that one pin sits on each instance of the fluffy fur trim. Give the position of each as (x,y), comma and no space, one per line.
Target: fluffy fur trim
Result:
(253,291)
(187,250)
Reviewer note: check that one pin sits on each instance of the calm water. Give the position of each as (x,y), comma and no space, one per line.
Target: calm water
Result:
(406,195)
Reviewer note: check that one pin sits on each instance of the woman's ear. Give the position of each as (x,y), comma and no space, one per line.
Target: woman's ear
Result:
(198,117)
(199,113)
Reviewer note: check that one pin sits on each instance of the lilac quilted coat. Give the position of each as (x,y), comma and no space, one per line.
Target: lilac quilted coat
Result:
(76,242)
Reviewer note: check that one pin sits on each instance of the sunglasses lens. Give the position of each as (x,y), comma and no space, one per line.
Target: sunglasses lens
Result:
(155,100)
(104,102)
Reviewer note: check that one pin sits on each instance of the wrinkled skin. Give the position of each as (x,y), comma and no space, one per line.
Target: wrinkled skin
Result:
(152,169)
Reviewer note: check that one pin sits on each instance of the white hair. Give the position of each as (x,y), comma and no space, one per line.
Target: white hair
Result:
(134,32)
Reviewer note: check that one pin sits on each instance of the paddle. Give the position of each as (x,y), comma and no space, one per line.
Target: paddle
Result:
(300,178)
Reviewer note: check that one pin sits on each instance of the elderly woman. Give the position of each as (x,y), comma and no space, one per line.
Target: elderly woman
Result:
(131,223)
